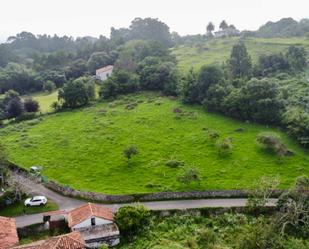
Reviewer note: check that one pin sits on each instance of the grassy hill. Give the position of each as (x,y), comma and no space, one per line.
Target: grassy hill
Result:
(45,100)
(84,148)
(218,51)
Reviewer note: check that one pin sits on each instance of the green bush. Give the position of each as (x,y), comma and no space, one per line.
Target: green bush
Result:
(132,219)
(272,142)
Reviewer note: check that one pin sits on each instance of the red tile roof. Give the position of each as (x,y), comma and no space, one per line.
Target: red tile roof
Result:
(104,69)
(88,210)
(8,233)
(72,240)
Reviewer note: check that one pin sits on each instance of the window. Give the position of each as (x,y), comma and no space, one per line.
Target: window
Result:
(92,221)
(107,75)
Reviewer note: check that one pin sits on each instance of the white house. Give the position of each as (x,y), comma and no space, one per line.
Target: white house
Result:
(104,72)
(95,223)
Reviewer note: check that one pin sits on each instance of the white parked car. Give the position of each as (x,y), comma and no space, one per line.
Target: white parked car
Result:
(36,201)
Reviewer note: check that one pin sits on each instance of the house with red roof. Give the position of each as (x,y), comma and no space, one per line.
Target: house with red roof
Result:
(95,223)
(8,233)
(72,240)
(104,72)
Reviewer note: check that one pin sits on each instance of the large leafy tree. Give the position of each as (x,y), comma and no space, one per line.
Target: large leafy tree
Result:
(297,58)
(98,60)
(150,29)
(240,61)
(75,94)
(258,100)
(190,93)
(208,76)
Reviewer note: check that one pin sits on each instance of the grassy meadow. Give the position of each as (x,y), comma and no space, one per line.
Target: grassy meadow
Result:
(217,51)
(45,100)
(84,148)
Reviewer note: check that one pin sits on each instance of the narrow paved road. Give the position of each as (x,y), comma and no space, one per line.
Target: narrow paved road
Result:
(66,203)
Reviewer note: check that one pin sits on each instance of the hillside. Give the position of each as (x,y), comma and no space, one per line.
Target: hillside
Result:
(217,51)
(84,148)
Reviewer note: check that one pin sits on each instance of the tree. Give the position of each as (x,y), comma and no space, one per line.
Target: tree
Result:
(210,28)
(76,69)
(31,105)
(74,94)
(293,217)
(189,175)
(120,82)
(49,86)
(296,120)
(98,60)
(297,58)
(223,25)
(130,151)
(150,29)
(208,76)
(261,191)
(14,108)
(132,219)
(190,92)
(258,100)
(3,163)
(240,61)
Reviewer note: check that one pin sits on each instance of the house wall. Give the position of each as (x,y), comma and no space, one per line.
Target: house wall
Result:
(87,223)
(104,75)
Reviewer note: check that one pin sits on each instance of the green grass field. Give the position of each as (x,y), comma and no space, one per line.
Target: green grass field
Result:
(45,100)
(84,148)
(217,51)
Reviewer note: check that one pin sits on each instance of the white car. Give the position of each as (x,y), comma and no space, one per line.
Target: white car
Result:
(36,201)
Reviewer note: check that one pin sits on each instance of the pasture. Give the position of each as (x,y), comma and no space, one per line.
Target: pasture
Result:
(84,148)
(217,51)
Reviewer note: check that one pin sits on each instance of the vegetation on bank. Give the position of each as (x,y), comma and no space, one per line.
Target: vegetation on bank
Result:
(84,148)
(287,227)
(18,209)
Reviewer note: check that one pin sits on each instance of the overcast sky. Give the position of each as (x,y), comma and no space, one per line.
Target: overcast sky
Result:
(95,17)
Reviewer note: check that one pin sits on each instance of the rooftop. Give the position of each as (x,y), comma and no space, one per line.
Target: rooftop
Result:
(8,233)
(88,210)
(104,69)
(72,240)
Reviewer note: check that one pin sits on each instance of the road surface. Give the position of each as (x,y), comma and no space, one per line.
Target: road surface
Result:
(67,203)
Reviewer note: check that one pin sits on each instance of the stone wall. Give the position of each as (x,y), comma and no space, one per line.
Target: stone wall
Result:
(106,198)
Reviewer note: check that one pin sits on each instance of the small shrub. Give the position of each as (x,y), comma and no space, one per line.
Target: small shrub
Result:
(173,163)
(224,146)
(189,175)
(177,110)
(213,135)
(130,151)
(272,142)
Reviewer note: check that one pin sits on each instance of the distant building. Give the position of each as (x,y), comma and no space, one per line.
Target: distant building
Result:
(95,223)
(228,32)
(104,72)
(72,240)
(8,233)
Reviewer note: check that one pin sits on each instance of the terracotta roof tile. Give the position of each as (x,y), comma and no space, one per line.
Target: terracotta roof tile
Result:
(8,233)
(88,210)
(72,240)
(104,69)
